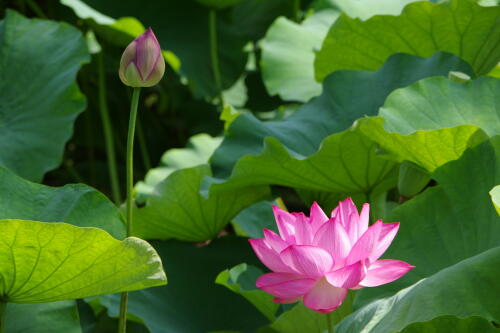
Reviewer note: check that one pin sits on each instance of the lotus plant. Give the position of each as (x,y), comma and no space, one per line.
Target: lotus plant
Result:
(141,65)
(317,259)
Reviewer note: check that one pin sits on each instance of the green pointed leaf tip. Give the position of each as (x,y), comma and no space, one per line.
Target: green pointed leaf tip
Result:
(460,27)
(39,63)
(46,262)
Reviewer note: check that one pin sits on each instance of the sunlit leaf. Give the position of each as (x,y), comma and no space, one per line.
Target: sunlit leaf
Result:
(46,262)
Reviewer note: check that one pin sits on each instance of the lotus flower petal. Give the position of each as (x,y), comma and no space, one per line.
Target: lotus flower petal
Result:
(307,260)
(285,222)
(387,234)
(268,256)
(385,271)
(275,241)
(333,238)
(285,286)
(317,217)
(348,276)
(324,297)
(365,244)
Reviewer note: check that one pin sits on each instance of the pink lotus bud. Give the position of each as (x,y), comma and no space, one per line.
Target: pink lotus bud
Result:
(316,259)
(142,64)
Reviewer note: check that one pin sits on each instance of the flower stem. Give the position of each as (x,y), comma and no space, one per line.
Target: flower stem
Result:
(214,57)
(3,307)
(108,131)
(296,10)
(122,324)
(329,322)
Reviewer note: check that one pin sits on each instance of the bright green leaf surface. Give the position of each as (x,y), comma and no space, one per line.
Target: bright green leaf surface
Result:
(287,62)
(459,27)
(461,229)
(420,120)
(435,103)
(427,149)
(291,152)
(241,280)
(178,210)
(43,318)
(495,197)
(46,262)
(192,301)
(79,205)
(250,221)
(39,60)
(364,9)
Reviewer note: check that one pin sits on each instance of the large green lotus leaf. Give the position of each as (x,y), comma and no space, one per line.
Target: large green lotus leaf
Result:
(444,230)
(468,288)
(495,197)
(461,27)
(39,60)
(365,9)
(252,220)
(198,151)
(347,162)
(79,205)
(43,318)
(182,27)
(177,209)
(453,324)
(287,61)
(301,151)
(192,302)
(420,119)
(46,262)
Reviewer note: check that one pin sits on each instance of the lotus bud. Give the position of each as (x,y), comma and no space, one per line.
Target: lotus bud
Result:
(142,63)
(411,180)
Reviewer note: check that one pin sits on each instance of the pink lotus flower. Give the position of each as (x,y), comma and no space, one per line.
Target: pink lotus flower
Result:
(316,259)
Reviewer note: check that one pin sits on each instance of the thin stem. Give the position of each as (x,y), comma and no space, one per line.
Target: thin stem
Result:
(36,9)
(3,307)
(122,324)
(329,322)
(130,157)
(143,147)
(212,25)
(108,131)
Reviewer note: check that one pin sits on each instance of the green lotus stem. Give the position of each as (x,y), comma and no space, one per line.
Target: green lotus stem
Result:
(212,27)
(36,9)
(122,324)
(329,322)
(3,307)
(108,132)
